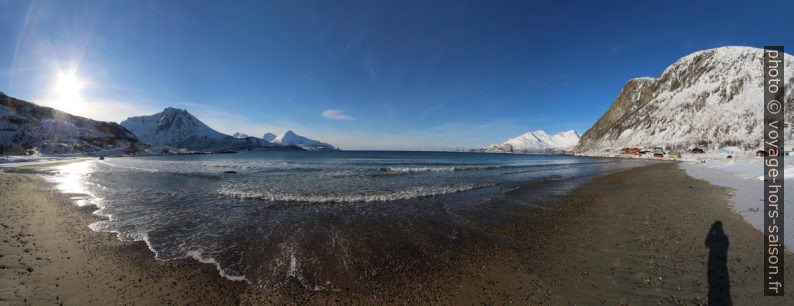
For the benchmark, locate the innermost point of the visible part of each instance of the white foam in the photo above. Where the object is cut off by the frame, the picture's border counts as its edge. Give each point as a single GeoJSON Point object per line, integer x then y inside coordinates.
{"type": "Point", "coordinates": [435, 169]}
{"type": "Point", "coordinates": [115, 165]}
{"type": "Point", "coordinates": [197, 255]}
{"type": "Point", "coordinates": [383, 196]}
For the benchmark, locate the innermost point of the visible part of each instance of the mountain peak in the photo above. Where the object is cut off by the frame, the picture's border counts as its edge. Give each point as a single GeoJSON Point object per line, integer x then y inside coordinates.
{"type": "Point", "coordinates": [686, 105]}
{"type": "Point", "coordinates": [269, 136]}
{"type": "Point", "coordinates": [569, 132]}
{"type": "Point", "coordinates": [239, 135]}
{"type": "Point", "coordinates": [174, 127]}
{"type": "Point", "coordinates": [290, 138]}
{"type": "Point", "coordinates": [173, 110]}
{"type": "Point", "coordinates": [537, 142]}
{"type": "Point", "coordinates": [540, 133]}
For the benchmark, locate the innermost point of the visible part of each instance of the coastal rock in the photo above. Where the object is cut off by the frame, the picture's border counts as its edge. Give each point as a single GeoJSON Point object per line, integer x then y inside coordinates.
{"type": "Point", "coordinates": [709, 99]}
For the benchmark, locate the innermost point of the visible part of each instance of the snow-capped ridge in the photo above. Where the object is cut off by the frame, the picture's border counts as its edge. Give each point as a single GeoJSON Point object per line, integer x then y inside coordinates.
{"type": "Point", "coordinates": [178, 128]}
{"type": "Point", "coordinates": [290, 138]}
{"type": "Point", "coordinates": [537, 142]}
{"type": "Point", "coordinates": [707, 99]}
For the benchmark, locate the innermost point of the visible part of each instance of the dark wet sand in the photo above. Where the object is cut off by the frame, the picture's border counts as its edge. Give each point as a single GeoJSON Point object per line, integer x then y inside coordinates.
{"type": "Point", "coordinates": [633, 237]}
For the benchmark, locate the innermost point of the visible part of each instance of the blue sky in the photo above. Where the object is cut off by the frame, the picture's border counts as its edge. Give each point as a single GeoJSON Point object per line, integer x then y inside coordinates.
{"type": "Point", "coordinates": [363, 74]}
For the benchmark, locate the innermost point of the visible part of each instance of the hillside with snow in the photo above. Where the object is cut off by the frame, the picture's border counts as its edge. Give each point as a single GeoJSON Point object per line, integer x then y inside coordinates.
{"type": "Point", "coordinates": [179, 129]}
{"type": "Point", "coordinates": [709, 99]}
{"type": "Point", "coordinates": [290, 138]}
{"type": "Point", "coordinates": [537, 142]}
{"type": "Point", "coordinates": [25, 126]}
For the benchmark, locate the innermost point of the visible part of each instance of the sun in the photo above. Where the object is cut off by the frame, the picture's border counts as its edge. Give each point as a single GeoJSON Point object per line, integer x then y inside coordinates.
{"type": "Point", "coordinates": [68, 87]}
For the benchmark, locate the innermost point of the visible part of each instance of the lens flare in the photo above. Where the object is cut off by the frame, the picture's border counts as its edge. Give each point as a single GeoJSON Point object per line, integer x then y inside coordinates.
{"type": "Point", "coordinates": [68, 87]}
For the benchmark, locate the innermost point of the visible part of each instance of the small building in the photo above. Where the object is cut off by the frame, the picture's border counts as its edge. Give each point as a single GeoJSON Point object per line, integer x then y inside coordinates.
{"type": "Point", "coordinates": [760, 153]}
{"type": "Point", "coordinates": [630, 150]}
{"type": "Point", "coordinates": [658, 155]}
{"type": "Point", "coordinates": [698, 151]}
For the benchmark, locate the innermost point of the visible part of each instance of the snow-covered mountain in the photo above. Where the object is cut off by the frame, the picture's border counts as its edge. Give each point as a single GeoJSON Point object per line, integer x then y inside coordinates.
{"type": "Point", "coordinates": [537, 142]}
{"type": "Point", "coordinates": [178, 128]}
{"type": "Point", "coordinates": [709, 99]}
{"type": "Point", "coordinates": [269, 136]}
{"type": "Point", "coordinates": [239, 135]}
{"type": "Point", "coordinates": [290, 138]}
{"type": "Point", "coordinates": [25, 125]}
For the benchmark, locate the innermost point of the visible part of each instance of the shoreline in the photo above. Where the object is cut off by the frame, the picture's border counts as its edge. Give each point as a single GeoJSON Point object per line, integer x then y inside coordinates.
{"type": "Point", "coordinates": [52, 256]}
{"type": "Point", "coordinates": [101, 269]}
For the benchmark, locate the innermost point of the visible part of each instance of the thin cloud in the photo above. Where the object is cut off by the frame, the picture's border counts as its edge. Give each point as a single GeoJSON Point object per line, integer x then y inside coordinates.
{"type": "Point", "coordinates": [335, 114]}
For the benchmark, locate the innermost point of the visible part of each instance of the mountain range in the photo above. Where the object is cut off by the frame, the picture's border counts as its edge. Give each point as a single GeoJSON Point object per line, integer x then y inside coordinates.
{"type": "Point", "coordinates": [26, 127]}
{"type": "Point", "coordinates": [290, 138]}
{"type": "Point", "coordinates": [180, 129]}
{"type": "Point", "coordinates": [708, 99]}
{"type": "Point", "coordinates": [536, 142]}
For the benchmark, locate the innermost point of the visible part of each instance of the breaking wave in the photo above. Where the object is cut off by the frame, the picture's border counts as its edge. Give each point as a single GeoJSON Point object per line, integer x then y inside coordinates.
{"type": "Point", "coordinates": [381, 196]}
{"type": "Point", "coordinates": [436, 169]}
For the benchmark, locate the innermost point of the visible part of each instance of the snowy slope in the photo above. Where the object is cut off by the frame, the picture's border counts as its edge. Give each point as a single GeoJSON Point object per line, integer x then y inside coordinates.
{"type": "Point", "coordinates": [178, 128]}
{"type": "Point", "coordinates": [709, 99]}
{"type": "Point", "coordinates": [537, 142]}
{"type": "Point", "coordinates": [566, 140]}
{"type": "Point", "coordinates": [290, 138]}
{"type": "Point", "coordinates": [26, 125]}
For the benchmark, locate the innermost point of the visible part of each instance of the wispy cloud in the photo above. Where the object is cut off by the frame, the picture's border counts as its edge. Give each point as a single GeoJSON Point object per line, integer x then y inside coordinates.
{"type": "Point", "coordinates": [335, 114]}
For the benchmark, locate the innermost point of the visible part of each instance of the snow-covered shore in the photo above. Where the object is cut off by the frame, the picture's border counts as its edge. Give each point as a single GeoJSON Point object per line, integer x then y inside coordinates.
{"type": "Point", "coordinates": [745, 177]}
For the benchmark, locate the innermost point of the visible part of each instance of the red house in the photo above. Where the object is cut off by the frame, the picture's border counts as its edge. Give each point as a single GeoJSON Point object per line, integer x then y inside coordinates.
{"type": "Point", "coordinates": [630, 151]}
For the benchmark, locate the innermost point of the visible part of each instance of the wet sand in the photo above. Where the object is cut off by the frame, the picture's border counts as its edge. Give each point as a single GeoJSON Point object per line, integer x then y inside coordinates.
{"type": "Point", "coordinates": [634, 237]}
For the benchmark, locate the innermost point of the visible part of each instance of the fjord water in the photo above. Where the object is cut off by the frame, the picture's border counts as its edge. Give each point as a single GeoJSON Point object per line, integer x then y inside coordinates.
{"type": "Point", "coordinates": [323, 220]}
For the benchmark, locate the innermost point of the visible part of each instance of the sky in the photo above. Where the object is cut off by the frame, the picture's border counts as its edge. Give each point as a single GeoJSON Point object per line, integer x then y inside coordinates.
{"type": "Point", "coordinates": [401, 75]}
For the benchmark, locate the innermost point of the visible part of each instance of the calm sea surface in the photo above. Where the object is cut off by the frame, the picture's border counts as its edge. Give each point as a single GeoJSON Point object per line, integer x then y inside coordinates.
{"type": "Point", "coordinates": [323, 219]}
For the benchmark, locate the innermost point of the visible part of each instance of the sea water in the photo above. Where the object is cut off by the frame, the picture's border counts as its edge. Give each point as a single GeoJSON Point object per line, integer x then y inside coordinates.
{"type": "Point", "coordinates": [323, 220]}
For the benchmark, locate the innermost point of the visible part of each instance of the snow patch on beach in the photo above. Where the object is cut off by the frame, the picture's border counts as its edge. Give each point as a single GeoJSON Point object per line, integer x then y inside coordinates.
{"type": "Point", "coordinates": [743, 176]}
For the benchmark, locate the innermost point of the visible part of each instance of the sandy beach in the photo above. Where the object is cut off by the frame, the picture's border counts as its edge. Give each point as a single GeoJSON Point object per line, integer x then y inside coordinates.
{"type": "Point", "coordinates": [641, 236]}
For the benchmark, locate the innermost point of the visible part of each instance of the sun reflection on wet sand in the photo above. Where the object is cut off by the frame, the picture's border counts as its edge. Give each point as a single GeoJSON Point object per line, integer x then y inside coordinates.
{"type": "Point", "coordinates": [72, 179]}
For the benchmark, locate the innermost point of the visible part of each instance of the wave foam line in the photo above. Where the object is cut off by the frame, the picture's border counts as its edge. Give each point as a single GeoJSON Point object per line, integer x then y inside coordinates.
{"type": "Point", "coordinates": [405, 194]}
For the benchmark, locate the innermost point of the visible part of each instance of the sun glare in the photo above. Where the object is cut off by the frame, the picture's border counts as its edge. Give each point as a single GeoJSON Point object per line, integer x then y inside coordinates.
{"type": "Point", "coordinates": [68, 87]}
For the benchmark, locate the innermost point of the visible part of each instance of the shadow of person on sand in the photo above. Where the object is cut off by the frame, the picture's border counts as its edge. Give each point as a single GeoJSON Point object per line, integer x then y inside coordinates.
{"type": "Point", "coordinates": [719, 280]}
